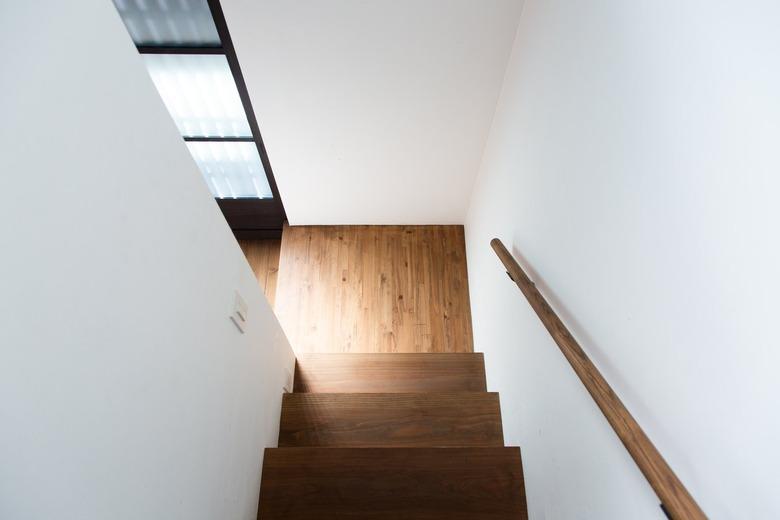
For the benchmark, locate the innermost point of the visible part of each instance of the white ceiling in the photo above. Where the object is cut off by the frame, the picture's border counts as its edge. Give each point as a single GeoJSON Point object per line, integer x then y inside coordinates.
{"type": "Point", "coordinates": [374, 111]}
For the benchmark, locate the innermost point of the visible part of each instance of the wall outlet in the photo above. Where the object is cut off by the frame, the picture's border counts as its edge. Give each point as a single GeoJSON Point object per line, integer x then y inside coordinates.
{"type": "Point", "coordinates": [239, 315]}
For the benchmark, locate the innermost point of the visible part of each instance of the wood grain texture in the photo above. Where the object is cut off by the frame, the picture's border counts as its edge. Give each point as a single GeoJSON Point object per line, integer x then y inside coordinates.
{"type": "Point", "coordinates": [392, 483]}
{"type": "Point", "coordinates": [673, 494]}
{"type": "Point", "coordinates": [390, 373]}
{"type": "Point", "coordinates": [374, 289]}
{"type": "Point", "coordinates": [263, 258]}
{"type": "Point", "coordinates": [391, 420]}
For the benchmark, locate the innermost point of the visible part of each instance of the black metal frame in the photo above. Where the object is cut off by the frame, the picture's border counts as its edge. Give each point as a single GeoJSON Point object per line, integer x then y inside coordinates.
{"type": "Point", "coordinates": [248, 218]}
{"type": "Point", "coordinates": [202, 139]}
{"type": "Point", "coordinates": [180, 49]}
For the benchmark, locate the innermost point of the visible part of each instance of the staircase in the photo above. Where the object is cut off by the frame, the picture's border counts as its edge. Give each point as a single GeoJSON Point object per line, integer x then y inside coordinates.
{"type": "Point", "coordinates": [391, 436]}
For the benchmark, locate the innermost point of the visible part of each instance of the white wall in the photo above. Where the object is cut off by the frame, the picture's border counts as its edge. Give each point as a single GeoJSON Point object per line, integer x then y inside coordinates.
{"type": "Point", "coordinates": [125, 390]}
{"type": "Point", "coordinates": [374, 112]}
{"type": "Point", "coordinates": [633, 166]}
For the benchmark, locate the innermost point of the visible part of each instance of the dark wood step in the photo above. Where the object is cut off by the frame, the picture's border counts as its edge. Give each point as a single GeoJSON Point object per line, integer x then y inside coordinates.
{"type": "Point", "coordinates": [391, 420]}
{"type": "Point", "coordinates": [390, 373]}
{"type": "Point", "coordinates": [392, 483]}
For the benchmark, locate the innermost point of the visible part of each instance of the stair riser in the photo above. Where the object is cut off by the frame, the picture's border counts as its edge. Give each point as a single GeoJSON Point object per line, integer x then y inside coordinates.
{"type": "Point", "coordinates": [391, 420]}
{"type": "Point", "coordinates": [393, 483]}
{"type": "Point", "coordinates": [390, 373]}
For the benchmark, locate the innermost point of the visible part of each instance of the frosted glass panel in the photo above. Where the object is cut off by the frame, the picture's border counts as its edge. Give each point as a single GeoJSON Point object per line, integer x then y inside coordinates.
{"type": "Point", "coordinates": [231, 169]}
{"type": "Point", "coordinates": [169, 22]}
{"type": "Point", "coordinates": [200, 94]}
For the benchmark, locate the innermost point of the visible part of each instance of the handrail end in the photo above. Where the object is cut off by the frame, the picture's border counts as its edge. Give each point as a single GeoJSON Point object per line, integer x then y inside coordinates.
{"type": "Point", "coordinates": [496, 243]}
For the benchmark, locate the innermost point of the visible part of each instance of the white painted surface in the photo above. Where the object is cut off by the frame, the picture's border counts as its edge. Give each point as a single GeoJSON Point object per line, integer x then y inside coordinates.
{"type": "Point", "coordinates": [374, 112]}
{"type": "Point", "coordinates": [633, 167]}
{"type": "Point", "coordinates": [125, 390]}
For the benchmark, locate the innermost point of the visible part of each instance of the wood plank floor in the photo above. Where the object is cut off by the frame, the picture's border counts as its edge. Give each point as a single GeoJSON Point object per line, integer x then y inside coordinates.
{"type": "Point", "coordinates": [391, 420]}
{"type": "Point", "coordinates": [263, 258]}
{"type": "Point", "coordinates": [374, 289]}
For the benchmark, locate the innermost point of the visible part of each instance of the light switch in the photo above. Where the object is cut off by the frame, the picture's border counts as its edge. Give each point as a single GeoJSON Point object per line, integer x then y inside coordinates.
{"type": "Point", "coordinates": [239, 315]}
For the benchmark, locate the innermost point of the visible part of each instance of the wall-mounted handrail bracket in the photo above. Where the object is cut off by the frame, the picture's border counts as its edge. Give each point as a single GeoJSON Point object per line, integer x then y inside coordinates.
{"type": "Point", "coordinates": [676, 502]}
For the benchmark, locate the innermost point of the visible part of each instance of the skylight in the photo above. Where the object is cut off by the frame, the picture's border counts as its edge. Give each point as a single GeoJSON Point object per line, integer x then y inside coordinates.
{"type": "Point", "coordinates": [198, 78]}
{"type": "Point", "coordinates": [169, 22]}
{"type": "Point", "coordinates": [200, 94]}
{"type": "Point", "coordinates": [232, 169]}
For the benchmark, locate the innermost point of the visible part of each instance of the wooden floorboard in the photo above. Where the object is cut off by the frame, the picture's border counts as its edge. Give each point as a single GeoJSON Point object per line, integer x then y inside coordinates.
{"type": "Point", "coordinates": [390, 373]}
{"type": "Point", "coordinates": [374, 289]}
{"type": "Point", "coordinates": [263, 258]}
{"type": "Point", "coordinates": [391, 420]}
{"type": "Point", "coordinates": [392, 483]}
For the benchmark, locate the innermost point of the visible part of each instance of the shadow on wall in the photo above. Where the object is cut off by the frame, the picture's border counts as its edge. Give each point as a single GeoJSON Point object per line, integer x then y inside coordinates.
{"type": "Point", "coordinates": [624, 390]}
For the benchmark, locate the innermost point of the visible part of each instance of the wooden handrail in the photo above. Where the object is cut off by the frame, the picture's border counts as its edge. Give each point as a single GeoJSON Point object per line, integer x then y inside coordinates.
{"type": "Point", "coordinates": [675, 499]}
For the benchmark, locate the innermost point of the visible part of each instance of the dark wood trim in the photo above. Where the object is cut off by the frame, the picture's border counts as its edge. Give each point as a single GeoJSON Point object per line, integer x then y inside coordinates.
{"type": "Point", "coordinates": [179, 49]}
{"type": "Point", "coordinates": [252, 214]}
{"type": "Point", "coordinates": [203, 139]}
{"type": "Point", "coordinates": [674, 496]}
{"type": "Point", "coordinates": [232, 58]}
{"type": "Point", "coordinates": [257, 234]}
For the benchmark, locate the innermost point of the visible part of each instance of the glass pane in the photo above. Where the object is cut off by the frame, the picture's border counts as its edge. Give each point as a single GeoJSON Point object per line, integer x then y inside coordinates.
{"type": "Point", "coordinates": [200, 94]}
{"type": "Point", "coordinates": [231, 169]}
{"type": "Point", "coordinates": [169, 22]}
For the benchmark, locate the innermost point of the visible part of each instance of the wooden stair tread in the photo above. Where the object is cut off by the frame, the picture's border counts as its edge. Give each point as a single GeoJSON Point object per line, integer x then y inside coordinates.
{"type": "Point", "coordinates": [392, 483]}
{"type": "Point", "coordinates": [391, 420]}
{"type": "Point", "coordinates": [390, 373]}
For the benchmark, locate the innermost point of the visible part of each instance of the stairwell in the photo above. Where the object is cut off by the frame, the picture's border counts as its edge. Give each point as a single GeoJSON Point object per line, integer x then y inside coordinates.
{"type": "Point", "coordinates": [371, 434]}
{"type": "Point", "coordinates": [389, 436]}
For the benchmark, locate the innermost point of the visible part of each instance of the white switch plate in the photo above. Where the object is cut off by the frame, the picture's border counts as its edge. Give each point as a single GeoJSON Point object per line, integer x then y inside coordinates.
{"type": "Point", "coordinates": [240, 310]}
